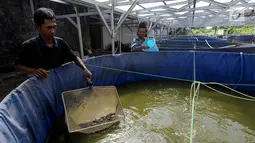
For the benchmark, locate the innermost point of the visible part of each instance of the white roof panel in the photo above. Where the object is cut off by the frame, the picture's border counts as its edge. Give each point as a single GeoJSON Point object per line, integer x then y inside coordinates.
{"type": "Point", "coordinates": [126, 7]}
{"type": "Point", "coordinates": [159, 9]}
{"type": "Point", "coordinates": [202, 3]}
{"type": "Point", "coordinates": [155, 4]}
{"type": "Point", "coordinates": [175, 1]}
{"type": "Point", "coordinates": [178, 6]}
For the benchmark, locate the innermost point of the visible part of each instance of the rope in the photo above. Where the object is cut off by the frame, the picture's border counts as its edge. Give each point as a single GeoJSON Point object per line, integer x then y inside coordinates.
{"type": "Point", "coordinates": [194, 87]}
{"type": "Point", "coordinates": [208, 44]}
{"type": "Point", "coordinates": [228, 94]}
{"type": "Point", "coordinates": [140, 73]}
{"type": "Point", "coordinates": [229, 89]}
{"type": "Point", "coordinates": [196, 91]}
{"type": "Point", "coordinates": [166, 77]}
{"type": "Point", "coordinates": [241, 54]}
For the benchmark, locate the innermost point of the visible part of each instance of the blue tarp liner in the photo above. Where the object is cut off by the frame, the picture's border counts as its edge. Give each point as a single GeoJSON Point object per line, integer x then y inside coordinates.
{"type": "Point", "coordinates": [244, 37]}
{"type": "Point", "coordinates": [196, 37]}
{"type": "Point", "coordinates": [188, 42]}
{"type": "Point", "coordinates": [224, 50]}
{"type": "Point", "coordinates": [29, 111]}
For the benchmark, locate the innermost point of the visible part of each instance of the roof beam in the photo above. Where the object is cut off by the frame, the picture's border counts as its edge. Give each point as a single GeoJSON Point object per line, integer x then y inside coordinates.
{"type": "Point", "coordinates": [148, 11]}
{"type": "Point", "coordinates": [91, 3]}
{"type": "Point", "coordinates": [121, 3]}
{"type": "Point", "coordinates": [156, 7]}
{"type": "Point", "coordinates": [193, 13]}
{"type": "Point", "coordinates": [59, 1]}
{"type": "Point", "coordinates": [152, 12]}
{"type": "Point", "coordinates": [126, 14]}
{"type": "Point", "coordinates": [217, 16]}
{"type": "Point", "coordinates": [216, 3]}
{"type": "Point", "coordinates": [103, 19]}
{"type": "Point", "coordinates": [71, 20]}
{"type": "Point", "coordinates": [218, 7]}
{"type": "Point", "coordinates": [186, 6]}
{"type": "Point", "coordinates": [80, 14]}
{"type": "Point", "coordinates": [170, 11]}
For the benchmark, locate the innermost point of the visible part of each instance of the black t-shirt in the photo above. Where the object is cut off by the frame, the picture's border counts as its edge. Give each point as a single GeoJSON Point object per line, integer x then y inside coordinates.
{"type": "Point", "coordinates": [36, 54]}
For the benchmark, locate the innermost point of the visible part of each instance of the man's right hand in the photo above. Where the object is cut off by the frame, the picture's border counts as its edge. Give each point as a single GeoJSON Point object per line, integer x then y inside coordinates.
{"type": "Point", "coordinates": [145, 47]}
{"type": "Point", "coordinates": [41, 73]}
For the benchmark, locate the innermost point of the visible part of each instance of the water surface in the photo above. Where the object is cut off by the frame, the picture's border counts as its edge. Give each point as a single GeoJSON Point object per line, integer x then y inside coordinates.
{"type": "Point", "coordinates": [159, 112]}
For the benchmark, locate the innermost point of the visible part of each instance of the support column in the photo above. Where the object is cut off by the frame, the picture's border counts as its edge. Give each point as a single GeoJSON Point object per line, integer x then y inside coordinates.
{"type": "Point", "coordinates": [120, 37]}
{"type": "Point", "coordinates": [103, 19]}
{"type": "Point", "coordinates": [112, 25]}
{"type": "Point", "coordinates": [79, 32]}
{"type": "Point", "coordinates": [32, 7]}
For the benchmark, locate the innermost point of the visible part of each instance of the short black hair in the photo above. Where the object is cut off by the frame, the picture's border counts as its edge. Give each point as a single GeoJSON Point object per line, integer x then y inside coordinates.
{"type": "Point", "coordinates": [142, 25]}
{"type": "Point", "coordinates": [43, 13]}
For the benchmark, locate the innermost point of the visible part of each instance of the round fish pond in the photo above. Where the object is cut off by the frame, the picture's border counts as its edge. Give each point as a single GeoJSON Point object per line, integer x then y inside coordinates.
{"type": "Point", "coordinates": [160, 112]}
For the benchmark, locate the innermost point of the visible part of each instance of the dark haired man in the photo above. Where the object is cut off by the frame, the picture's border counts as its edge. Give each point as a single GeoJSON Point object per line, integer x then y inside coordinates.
{"type": "Point", "coordinates": [138, 41]}
{"type": "Point", "coordinates": [46, 51]}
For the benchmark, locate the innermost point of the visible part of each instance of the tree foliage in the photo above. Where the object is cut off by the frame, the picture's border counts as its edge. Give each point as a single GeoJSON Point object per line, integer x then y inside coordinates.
{"type": "Point", "coordinates": [249, 30]}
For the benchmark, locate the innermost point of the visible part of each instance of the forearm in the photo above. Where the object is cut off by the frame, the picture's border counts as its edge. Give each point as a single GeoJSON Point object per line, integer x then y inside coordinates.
{"type": "Point", "coordinates": [139, 48]}
{"type": "Point", "coordinates": [80, 63]}
{"type": "Point", "coordinates": [25, 69]}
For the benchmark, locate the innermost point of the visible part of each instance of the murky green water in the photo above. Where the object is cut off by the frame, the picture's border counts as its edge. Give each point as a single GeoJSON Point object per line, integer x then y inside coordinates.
{"type": "Point", "coordinates": [159, 112]}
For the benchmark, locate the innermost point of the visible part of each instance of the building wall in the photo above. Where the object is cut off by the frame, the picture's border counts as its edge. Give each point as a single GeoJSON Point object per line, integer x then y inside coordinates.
{"type": "Point", "coordinates": [128, 36]}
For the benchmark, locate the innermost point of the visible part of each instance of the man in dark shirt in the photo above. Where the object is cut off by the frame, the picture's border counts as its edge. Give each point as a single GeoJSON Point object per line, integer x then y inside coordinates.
{"type": "Point", "coordinates": [46, 51]}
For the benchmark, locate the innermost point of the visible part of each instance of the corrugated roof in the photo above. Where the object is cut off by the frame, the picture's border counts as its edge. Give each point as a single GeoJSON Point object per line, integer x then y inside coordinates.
{"type": "Point", "coordinates": [179, 13]}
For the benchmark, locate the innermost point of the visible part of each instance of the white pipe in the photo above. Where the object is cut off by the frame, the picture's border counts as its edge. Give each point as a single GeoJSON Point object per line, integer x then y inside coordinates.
{"type": "Point", "coordinates": [126, 14]}
{"type": "Point", "coordinates": [102, 17]}
{"type": "Point", "coordinates": [79, 32]}
{"type": "Point", "coordinates": [71, 20]}
{"type": "Point", "coordinates": [112, 25]}
{"type": "Point", "coordinates": [32, 7]}
{"type": "Point", "coordinates": [120, 38]}
{"type": "Point", "coordinates": [80, 14]}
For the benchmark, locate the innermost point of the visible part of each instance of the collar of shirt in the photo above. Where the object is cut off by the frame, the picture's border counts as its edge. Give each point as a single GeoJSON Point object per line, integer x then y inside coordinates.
{"type": "Point", "coordinates": [55, 43]}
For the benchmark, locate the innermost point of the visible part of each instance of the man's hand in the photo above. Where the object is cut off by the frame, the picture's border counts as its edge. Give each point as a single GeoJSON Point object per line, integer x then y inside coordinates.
{"type": "Point", "coordinates": [87, 73]}
{"type": "Point", "coordinates": [145, 47]}
{"type": "Point", "coordinates": [41, 73]}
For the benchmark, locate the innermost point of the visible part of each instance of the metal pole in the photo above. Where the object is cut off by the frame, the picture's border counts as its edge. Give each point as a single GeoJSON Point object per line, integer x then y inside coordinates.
{"type": "Point", "coordinates": [166, 32]}
{"type": "Point", "coordinates": [71, 20]}
{"type": "Point", "coordinates": [120, 38]}
{"type": "Point", "coordinates": [32, 7]}
{"type": "Point", "coordinates": [161, 30]}
{"type": "Point", "coordinates": [102, 17]}
{"type": "Point", "coordinates": [112, 25]}
{"type": "Point", "coordinates": [154, 25]}
{"type": "Point", "coordinates": [133, 32]}
{"type": "Point", "coordinates": [150, 26]}
{"type": "Point", "coordinates": [81, 14]}
{"type": "Point", "coordinates": [79, 32]}
{"type": "Point", "coordinates": [126, 14]}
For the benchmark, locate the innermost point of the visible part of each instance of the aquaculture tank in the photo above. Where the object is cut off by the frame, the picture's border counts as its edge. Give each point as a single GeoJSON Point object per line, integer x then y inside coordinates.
{"type": "Point", "coordinates": [166, 97]}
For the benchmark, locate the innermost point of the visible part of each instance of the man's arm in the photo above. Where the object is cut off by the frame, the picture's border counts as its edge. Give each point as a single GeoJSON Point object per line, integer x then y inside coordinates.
{"type": "Point", "coordinates": [135, 47]}
{"type": "Point", "coordinates": [72, 57]}
{"type": "Point", "coordinates": [22, 60]}
{"type": "Point", "coordinates": [139, 48]}
{"type": "Point", "coordinates": [25, 69]}
{"type": "Point", "coordinates": [80, 63]}
{"type": "Point", "coordinates": [39, 73]}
